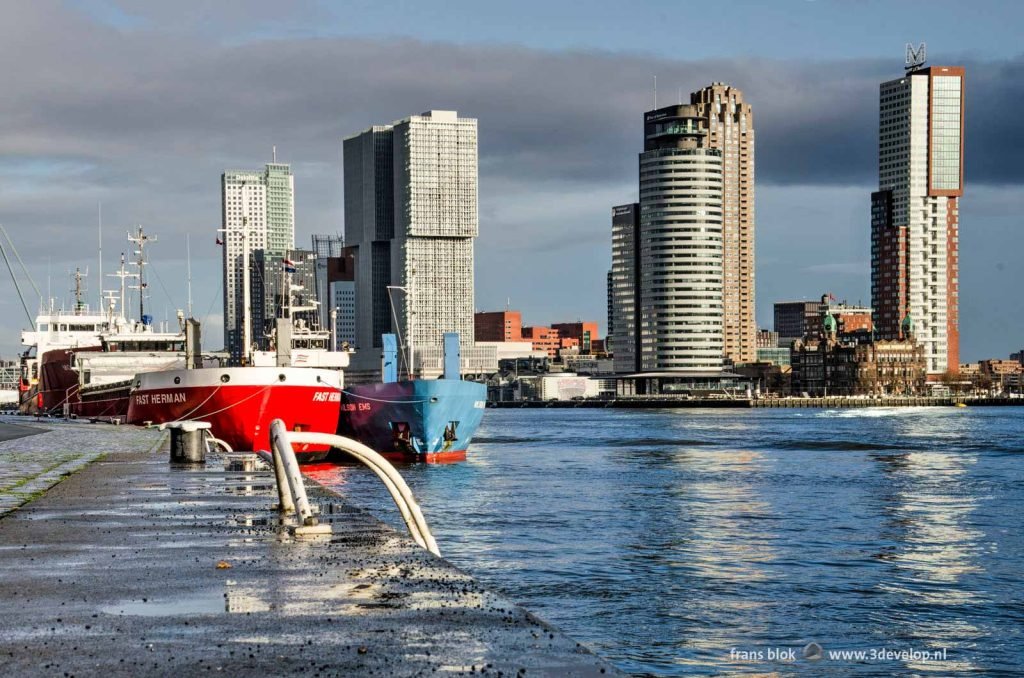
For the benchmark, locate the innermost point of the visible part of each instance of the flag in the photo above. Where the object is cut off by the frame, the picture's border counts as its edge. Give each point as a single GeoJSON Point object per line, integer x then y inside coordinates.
{"type": "Point", "coordinates": [831, 297]}
{"type": "Point", "coordinates": [289, 266]}
{"type": "Point", "coordinates": [219, 241]}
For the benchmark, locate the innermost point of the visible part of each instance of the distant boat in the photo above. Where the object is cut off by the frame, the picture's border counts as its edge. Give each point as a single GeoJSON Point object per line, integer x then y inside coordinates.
{"type": "Point", "coordinates": [430, 420]}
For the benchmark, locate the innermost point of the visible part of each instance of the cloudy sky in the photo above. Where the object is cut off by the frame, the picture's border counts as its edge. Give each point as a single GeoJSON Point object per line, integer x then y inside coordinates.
{"type": "Point", "coordinates": [142, 105]}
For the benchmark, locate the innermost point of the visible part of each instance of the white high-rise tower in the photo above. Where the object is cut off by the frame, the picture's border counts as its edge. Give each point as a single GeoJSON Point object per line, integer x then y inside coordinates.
{"type": "Point", "coordinates": [915, 216]}
{"type": "Point", "coordinates": [411, 215]}
{"type": "Point", "coordinates": [258, 213]}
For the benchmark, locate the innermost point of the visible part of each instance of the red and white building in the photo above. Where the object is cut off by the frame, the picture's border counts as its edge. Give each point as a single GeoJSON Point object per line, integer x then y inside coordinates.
{"type": "Point", "coordinates": [915, 212]}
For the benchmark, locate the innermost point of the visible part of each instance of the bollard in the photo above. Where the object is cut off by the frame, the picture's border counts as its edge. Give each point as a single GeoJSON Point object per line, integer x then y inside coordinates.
{"type": "Point", "coordinates": [188, 442]}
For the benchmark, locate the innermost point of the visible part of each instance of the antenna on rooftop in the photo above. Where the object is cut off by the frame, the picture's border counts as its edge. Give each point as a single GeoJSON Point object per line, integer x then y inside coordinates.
{"type": "Point", "coordinates": [915, 57]}
{"type": "Point", "coordinates": [655, 91]}
{"type": "Point", "coordinates": [274, 153]}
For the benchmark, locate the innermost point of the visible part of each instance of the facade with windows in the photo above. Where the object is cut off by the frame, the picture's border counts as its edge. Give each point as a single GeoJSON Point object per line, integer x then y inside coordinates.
{"type": "Point", "coordinates": [623, 327]}
{"type": "Point", "coordinates": [411, 217]}
{"type": "Point", "coordinates": [730, 129]}
{"type": "Point", "coordinates": [680, 241]}
{"type": "Point", "coordinates": [915, 212]}
{"type": "Point", "coordinates": [257, 213]}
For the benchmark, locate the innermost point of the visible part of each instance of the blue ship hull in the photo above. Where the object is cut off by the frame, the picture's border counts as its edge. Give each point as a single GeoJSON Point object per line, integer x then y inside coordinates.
{"type": "Point", "coordinates": [427, 419]}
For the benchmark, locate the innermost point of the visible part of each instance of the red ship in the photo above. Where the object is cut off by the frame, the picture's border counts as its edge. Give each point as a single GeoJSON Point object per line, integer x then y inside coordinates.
{"type": "Point", "coordinates": [240, 402]}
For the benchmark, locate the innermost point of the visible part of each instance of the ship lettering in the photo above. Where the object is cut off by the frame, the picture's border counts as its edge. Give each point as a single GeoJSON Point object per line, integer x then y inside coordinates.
{"type": "Point", "coordinates": [160, 398]}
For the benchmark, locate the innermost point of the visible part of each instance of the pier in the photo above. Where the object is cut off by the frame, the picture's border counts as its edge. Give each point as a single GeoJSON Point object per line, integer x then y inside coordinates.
{"type": "Point", "coordinates": [834, 402]}
{"type": "Point", "coordinates": [131, 566]}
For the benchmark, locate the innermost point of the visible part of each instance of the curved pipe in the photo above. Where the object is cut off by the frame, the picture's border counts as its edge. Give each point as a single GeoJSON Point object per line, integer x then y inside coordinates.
{"type": "Point", "coordinates": [400, 492]}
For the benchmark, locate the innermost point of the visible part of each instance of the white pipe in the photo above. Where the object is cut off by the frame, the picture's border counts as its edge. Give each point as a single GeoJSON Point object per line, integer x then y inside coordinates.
{"type": "Point", "coordinates": [284, 454]}
{"type": "Point", "coordinates": [284, 493]}
{"type": "Point", "coordinates": [400, 492]}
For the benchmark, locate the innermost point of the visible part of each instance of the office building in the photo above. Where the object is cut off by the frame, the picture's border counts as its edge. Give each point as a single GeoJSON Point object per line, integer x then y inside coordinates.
{"type": "Point", "coordinates": [610, 293]}
{"type": "Point", "coordinates": [325, 247]}
{"type": "Point", "coordinates": [624, 328]}
{"type": "Point", "coordinates": [411, 217]}
{"type": "Point", "coordinates": [680, 264]}
{"type": "Point", "coordinates": [729, 122]}
{"type": "Point", "coordinates": [498, 326]}
{"type": "Point", "coordinates": [258, 213]}
{"type": "Point", "coordinates": [915, 212]}
{"type": "Point", "coordinates": [800, 319]}
{"type": "Point", "coordinates": [280, 281]}
{"type": "Point", "coordinates": [583, 332]}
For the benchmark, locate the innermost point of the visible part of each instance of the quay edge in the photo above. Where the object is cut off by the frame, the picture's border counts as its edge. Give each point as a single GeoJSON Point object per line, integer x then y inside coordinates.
{"type": "Point", "coordinates": [115, 571]}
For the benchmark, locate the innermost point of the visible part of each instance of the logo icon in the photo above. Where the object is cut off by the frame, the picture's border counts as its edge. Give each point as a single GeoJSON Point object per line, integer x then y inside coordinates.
{"type": "Point", "coordinates": [813, 651]}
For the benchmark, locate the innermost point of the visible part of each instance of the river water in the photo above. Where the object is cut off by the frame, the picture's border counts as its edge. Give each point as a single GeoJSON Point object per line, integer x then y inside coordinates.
{"type": "Point", "coordinates": [677, 542]}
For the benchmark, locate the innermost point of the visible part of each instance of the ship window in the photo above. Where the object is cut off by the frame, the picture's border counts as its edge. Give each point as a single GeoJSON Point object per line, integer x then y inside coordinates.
{"type": "Point", "coordinates": [177, 380]}
{"type": "Point", "coordinates": [281, 377]}
{"type": "Point", "coordinates": [44, 327]}
{"type": "Point", "coordinates": [224, 378]}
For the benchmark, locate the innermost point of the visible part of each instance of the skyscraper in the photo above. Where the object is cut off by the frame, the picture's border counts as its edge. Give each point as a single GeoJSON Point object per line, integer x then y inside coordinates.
{"type": "Point", "coordinates": [325, 247]}
{"type": "Point", "coordinates": [411, 215]}
{"type": "Point", "coordinates": [680, 240]}
{"type": "Point", "coordinates": [624, 327]}
{"type": "Point", "coordinates": [258, 213]}
{"type": "Point", "coordinates": [730, 128]}
{"type": "Point", "coordinates": [915, 212]}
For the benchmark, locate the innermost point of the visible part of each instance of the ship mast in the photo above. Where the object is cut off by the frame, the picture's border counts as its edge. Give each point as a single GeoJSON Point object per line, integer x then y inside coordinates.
{"type": "Point", "coordinates": [123, 275]}
{"type": "Point", "coordinates": [246, 289]}
{"type": "Point", "coordinates": [140, 239]}
{"type": "Point", "coordinates": [79, 292]}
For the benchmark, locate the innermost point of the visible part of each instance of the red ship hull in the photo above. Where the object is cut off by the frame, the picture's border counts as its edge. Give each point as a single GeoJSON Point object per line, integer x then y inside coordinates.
{"type": "Point", "coordinates": [241, 402]}
{"type": "Point", "coordinates": [107, 403]}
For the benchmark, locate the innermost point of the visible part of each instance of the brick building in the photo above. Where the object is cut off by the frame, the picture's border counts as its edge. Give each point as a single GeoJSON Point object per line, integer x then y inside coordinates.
{"type": "Point", "coordinates": [498, 326]}
{"type": "Point", "coordinates": [828, 364]}
{"type": "Point", "coordinates": [585, 333]}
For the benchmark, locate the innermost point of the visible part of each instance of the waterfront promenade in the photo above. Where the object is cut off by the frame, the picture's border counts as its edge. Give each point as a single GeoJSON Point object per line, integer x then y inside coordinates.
{"type": "Point", "coordinates": [133, 567]}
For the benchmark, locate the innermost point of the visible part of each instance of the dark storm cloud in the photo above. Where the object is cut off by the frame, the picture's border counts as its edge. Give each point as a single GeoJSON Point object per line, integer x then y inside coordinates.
{"type": "Point", "coordinates": [145, 112]}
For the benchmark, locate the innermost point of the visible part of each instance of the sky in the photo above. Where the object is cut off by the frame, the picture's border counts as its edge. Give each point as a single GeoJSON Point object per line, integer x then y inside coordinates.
{"type": "Point", "coordinates": [140, 106]}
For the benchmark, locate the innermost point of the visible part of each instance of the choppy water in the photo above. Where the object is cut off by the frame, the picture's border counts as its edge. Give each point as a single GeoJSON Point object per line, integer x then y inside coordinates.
{"type": "Point", "coordinates": [673, 542]}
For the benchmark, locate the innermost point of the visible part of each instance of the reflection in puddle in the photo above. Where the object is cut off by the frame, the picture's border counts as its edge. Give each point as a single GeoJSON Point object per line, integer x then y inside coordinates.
{"type": "Point", "coordinates": [213, 602]}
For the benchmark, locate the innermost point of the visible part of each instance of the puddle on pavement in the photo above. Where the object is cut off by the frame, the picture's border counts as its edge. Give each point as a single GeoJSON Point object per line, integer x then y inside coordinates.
{"type": "Point", "coordinates": [210, 603]}
{"type": "Point", "coordinates": [234, 601]}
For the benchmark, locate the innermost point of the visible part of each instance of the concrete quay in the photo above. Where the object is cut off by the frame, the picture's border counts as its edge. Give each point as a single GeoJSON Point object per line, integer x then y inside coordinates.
{"type": "Point", "coordinates": [830, 402]}
{"type": "Point", "coordinates": [133, 567]}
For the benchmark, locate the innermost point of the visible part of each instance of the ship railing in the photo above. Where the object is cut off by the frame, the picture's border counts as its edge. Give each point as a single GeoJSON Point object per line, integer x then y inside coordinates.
{"type": "Point", "coordinates": [292, 492]}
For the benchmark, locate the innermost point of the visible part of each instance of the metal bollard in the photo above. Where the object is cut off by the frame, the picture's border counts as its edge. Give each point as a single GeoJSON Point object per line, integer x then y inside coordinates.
{"type": "Point", "coordinates": [188, 442]}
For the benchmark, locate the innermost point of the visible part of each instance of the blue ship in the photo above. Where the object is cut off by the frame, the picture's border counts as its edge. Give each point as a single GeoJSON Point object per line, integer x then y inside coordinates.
{"type": "Point", "coordinates": [423, 419]}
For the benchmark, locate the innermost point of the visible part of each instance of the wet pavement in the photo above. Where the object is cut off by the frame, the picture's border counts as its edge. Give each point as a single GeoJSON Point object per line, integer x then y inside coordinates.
{"type": "Point", "coordinates": [133, 567]}
{"type": "Point", "coordinates": [32, 465]}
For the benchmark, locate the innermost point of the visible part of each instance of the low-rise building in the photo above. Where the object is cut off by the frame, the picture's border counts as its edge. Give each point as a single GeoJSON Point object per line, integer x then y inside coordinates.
{"type": "Point", "coordinates": [513, 350]}
{"type": "Point", "coordinates": [776, 356]}
{"type": "Point", "coordinates": [829, 365]}
{"type": "Point", "coordinates": [498, 326]}
{"type": "Point", "coordinates": [585, 333]}
{"type": "Point", "coordinates": [799, 319]}
{"type": "Point", "coordinates": [567, 386]}
{"type": "Point", "coordinates": [767, 339]}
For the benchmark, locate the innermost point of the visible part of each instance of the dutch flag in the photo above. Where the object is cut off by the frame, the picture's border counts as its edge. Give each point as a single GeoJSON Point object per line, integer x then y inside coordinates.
{"type": "Point", "coordinates": [289, 266]}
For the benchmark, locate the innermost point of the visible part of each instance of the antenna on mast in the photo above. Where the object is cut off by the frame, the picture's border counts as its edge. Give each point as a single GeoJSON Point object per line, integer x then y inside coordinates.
{"type": "Point", "coordinates": [123, 275]}
{"type": "Point", "coordinates": [79, 291]}
{"type": "Point", "coordinates": [140, 239]}
{"type": "Point", "coordinates": [274, 153]}
{"type": "Point", "coordinates": [655, 91]}
{"type": "Point", "coordinates": [188, 258]}
{"type": "Point", "coordinates": [99, 227]}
